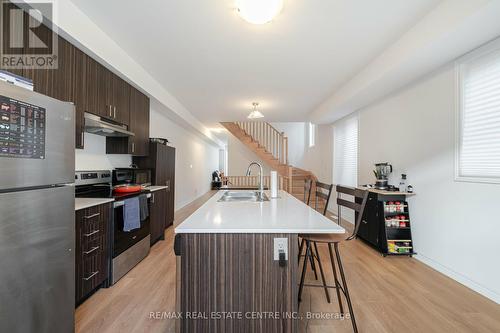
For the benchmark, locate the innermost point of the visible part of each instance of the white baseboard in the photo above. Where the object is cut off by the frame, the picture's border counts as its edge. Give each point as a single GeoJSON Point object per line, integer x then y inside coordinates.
{"type": "Point", "coordinates": [488, 293]}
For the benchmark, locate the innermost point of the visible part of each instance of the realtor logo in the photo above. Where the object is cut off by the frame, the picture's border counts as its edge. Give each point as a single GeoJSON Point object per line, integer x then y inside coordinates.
{"type": "Point", "coordinates": [28, 39]}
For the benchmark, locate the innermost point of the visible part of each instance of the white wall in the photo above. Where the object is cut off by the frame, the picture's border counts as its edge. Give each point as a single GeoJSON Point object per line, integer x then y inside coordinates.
{"type": "Point", "coordinates": [195, 158]}
{"type": "Point", "coordinates": [319, 158]}
{"type": "Point", "coordinates": [455, 225]}
{"type": "Point", "coordinates": [94, 157]}
{"type": "Point", "coordinates": [297, 140]}
{"type": "Point", "coordinates": [240, 156]}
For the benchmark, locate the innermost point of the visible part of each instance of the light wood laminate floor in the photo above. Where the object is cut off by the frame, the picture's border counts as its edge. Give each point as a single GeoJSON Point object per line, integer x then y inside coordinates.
{"type": "Point", "coordinates": [395, 294]}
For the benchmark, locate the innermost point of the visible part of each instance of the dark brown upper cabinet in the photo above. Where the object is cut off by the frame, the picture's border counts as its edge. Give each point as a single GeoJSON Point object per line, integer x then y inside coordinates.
{"type": "Point", "coordinates": [139, 123]}
{"type": "Point", "coordinates": [137, 145]}
{"type": "Point", "coordinates": [91, 87]}
{"type": "Point", "coordinates": [120, 100]}
{"type": "Point", "coordinates": [109, 93]}
{"type": "Point", "coordinates": [79, 94]}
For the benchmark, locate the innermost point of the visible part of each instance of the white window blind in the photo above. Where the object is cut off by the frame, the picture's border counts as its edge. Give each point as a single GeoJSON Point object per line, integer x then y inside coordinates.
{"type": "Point", "coordinates": [479, 115]}
{"type": "Point", "coordinates": [345, 151]}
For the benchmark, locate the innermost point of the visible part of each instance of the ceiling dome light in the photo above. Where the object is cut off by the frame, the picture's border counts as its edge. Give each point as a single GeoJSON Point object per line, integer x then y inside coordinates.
{"type": "Point", "coordinates": [259, 11]}
{"type": "Point", "coordinates": [255, 114]}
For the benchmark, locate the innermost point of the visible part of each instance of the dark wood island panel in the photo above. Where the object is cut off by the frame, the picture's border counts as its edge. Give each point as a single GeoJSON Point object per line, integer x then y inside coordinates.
{"type": "Point", "coordinates": [237, 273]}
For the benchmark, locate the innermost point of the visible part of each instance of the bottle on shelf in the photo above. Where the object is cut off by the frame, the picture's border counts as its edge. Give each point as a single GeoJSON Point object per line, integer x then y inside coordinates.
{"type": "Point", "coordinates": [402, 183]}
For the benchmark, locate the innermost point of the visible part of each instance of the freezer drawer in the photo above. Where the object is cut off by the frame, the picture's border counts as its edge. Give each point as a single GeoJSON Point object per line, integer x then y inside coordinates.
{"type": "Point", "coordinates": [54, 122]}
{"type": "Point", "coordinates": [37, 277]}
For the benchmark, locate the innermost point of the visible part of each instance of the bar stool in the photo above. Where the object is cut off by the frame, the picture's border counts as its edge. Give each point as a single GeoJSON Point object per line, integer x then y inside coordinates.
{"type": "Point", "coordinates": [335, 239]}
{"type": "Point", "coordinates": [307, 200]}
{"type": "Point", "coordinates": [322, 193]}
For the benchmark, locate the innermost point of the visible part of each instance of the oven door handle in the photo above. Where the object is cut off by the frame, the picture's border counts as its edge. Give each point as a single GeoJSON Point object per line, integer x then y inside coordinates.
{"type": "Point", "coordinates": [117, 204]}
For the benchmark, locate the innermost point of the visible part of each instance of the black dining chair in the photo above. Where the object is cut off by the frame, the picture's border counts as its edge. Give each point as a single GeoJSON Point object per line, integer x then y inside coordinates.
{"type": "Point", "coordinates": [334, 240]}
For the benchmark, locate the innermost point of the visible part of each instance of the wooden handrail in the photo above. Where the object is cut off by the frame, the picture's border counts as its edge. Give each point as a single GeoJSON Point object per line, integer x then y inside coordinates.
{"type": "Point", "coordinates": [267, 137]}
{"type": "Point", "coordinates": [283, 183]}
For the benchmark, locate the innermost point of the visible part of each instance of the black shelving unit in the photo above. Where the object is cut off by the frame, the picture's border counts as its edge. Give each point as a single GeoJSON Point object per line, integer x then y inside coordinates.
{"type": "Point", "coordinates": [397, 228]}
{"type": "Point", "coordinates": [386, 224]}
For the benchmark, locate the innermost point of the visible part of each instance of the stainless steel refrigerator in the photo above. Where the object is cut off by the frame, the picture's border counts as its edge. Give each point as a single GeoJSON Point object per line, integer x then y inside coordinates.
{"type": "Point", "coordinates": [37, 217]}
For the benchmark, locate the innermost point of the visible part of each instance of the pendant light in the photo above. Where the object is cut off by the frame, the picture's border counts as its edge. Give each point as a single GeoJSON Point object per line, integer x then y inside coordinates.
{"type": "Point", "coordinates": [259, 11]}
{"type": "Point", "coordinates": [255, 114]}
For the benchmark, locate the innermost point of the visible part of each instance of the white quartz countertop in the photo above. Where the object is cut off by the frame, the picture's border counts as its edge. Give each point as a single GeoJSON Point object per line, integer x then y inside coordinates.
{"type": "Point", "coordinates": [155, 188]}
{"type": "Point", "coordinates": [82, 203]}
{"type": "Point", "coordinates": [286, 214]}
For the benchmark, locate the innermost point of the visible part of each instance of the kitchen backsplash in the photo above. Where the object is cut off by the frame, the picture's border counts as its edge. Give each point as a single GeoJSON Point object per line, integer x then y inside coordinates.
{"type": "Point", "coordinates": [94, 156]}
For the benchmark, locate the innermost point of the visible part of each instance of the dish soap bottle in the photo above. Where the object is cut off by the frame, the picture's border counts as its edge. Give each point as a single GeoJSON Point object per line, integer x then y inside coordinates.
{"type": "Point", "coordinates": [402, 183]}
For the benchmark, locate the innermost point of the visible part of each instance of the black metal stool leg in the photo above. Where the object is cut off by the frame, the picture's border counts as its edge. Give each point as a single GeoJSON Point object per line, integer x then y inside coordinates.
{"type": "Point", "coordinates": [322, 273]}
{"type": "Point", "coordinates": [304, 267]}
{"type": "Point", "coordinates": [346, 291]}
{"type": "Point", "coordinates": [313, 265]}
{"type": "Point", "coordinates": [337, 283]}
{"type": "Point", "coordinates": [301, 247]}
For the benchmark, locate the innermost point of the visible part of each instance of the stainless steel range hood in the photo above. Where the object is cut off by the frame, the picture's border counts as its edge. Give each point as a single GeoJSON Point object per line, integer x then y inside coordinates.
{"type": "Point", "coordinates": [97, 125]}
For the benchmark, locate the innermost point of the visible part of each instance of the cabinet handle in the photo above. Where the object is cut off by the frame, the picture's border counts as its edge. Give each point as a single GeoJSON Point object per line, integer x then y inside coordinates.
{"type": "Point", "coordinates": [92, 216]}
{"type": "Point", "coordinates": [114, 111]}
{"type": "Point", "coordinates": [133, 147]}
{"type": "Point", "coordinates": [109, 106]}
{"type": "Point", "coordinates": [152, 198]}
{"type": "Point", "coordinates": [91, 250]}
{"type": "Point", "coordinates": [82, 138]}
{"type": "Point", "coordinates": [91, 276]}
{"type": "Point", "coordinates": [92, 233]}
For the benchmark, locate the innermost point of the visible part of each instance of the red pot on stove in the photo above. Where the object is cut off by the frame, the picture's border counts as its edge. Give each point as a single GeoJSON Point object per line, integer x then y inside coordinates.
{"type": "Point", "coordinates": [128, 188]}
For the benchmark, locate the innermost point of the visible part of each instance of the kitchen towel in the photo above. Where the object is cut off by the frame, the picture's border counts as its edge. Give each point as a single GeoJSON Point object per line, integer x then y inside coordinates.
{"type": "Point", "coordinates": [143, 205]}
{"type": "Point", "coordinates": [131, 214]}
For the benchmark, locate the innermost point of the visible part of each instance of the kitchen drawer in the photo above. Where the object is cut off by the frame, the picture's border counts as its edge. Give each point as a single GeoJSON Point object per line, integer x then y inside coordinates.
{"type": "Point", "coordinates": [92, 255]}
{"type": "Point", "coordinates": [93, 271]}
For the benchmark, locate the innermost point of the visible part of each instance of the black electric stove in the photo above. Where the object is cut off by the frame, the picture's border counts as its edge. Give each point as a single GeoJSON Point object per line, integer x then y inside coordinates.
{"type": "Point", "coordinates": [128, 248]}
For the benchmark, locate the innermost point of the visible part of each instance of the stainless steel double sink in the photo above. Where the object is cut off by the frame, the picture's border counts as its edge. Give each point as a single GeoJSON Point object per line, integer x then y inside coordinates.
{"type": "Point", "coordinates": [243, 196]}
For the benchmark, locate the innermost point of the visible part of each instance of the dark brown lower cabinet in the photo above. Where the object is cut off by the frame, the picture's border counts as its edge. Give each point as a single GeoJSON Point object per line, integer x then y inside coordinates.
{"type": "Point", "coordinates": [157, 213]}
{"type": "Point", "coordinates": [92, 249]}
{"type": "Point", "coordinates": [236, 274]}
{"type": "Point", "coordinates": [161, 161]}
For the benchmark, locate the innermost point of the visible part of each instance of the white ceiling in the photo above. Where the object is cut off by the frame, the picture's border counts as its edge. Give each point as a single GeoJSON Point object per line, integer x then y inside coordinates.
{"type": "Point", "coordinates": [216, 64]}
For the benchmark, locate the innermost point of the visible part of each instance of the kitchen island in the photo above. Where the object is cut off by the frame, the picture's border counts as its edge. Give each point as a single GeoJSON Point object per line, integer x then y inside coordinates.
{"type": "Point", "coordinates": [229, 275]}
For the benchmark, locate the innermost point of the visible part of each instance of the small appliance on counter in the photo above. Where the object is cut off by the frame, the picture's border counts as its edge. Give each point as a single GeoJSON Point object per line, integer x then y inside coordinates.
{"type": "Point", "coordinates": [216, 180]}
{"type": "Point", "coordinates": [159, 140]}
{"type": "Point", "coordinates": [132, 176]}
{"type": "Point", "coordinates": [128, 247]}
{"type": "Point", "coordinates": [382, 172]}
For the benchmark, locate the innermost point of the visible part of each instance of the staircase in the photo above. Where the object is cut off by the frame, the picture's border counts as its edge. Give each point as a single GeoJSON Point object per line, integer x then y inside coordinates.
{"type": "Point", "coordinates": [271, 146]}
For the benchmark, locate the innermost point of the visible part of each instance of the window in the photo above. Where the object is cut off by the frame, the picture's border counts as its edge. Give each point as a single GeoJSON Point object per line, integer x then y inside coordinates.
{"type": "Point", "coordinates": [312, 135]}
{"type": "Point", "coordinates": [478, 139]}
{"type": "Point", "coordinates": [345, 151]}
